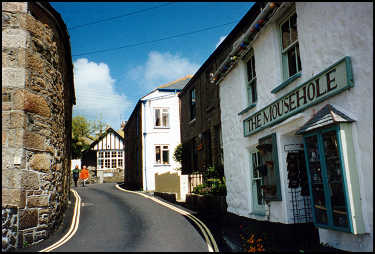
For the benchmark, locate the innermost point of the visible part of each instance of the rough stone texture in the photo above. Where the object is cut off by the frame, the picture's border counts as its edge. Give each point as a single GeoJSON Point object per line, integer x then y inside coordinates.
{"type": "Point", "coordinates": [9, 228]}
{"type": "Point", "coordinates": [41, 201]}
{"type": "Point", "coordinates": [37, 98]}
{"type": "Point", "coordinates": [40, 162]}
{"type": "Point", "coordinates": [13, 197]}
{"type": "Point", "coordinates": [28, 218]}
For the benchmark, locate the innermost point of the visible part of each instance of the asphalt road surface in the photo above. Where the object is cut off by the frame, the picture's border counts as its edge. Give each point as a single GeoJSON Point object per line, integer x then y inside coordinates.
{"type": "Point", "coordinates": [113, 220]}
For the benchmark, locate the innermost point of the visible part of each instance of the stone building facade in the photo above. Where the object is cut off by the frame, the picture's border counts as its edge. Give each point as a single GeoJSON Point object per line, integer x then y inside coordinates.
{"type": "Point", "coordinates": [37, 100]}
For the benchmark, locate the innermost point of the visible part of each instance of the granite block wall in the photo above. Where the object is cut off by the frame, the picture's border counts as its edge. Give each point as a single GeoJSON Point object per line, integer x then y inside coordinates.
{"type": "Point", "coordinates": [37, 100]}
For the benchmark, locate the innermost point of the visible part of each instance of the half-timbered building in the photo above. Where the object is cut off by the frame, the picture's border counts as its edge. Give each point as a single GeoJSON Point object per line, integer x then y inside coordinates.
{"type": "Point", "coordinates": [106, 154]}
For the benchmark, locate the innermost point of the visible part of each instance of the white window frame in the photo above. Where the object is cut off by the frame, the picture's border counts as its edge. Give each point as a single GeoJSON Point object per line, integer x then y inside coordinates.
{"type": "Point", "coordinates": [162, 112]}
{"type": "Point", "coordinates": [162, 149]}
{"type": "Point", "coordinates": [293, 45]}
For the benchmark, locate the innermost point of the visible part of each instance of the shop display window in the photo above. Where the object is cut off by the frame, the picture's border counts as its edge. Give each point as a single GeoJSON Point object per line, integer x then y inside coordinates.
{"type": "Point", "coordinates": [269, 168]}
{"type": "Point", "coordinates": [326, 181]}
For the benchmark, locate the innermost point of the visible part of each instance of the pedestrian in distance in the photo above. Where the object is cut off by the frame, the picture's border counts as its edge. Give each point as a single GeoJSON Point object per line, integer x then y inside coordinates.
{"type": "Point", "coordinates": [75, 175]}
{"type": "Point", "coordinates": [84, 175]}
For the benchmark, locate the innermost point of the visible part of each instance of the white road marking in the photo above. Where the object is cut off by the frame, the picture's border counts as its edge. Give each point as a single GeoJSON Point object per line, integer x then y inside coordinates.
{"type": "Point", "coordinates": [210, 240]}
{"type": "Point", "coordinates": [73, 227]}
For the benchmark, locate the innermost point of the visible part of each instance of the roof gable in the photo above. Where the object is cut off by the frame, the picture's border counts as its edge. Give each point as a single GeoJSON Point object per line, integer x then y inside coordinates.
{"type": "Point", "coordinates": [104, 135]}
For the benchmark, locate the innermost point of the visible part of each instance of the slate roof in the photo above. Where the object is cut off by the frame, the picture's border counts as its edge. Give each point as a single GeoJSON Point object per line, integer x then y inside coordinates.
{"type": "Point", "coordinates": [327, 115]}
{"type": "Point", "coordinates": [178, 84]}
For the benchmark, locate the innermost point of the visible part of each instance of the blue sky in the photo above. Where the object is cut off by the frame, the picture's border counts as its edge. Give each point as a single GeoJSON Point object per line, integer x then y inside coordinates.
{"type": "Point", "coordinates": [108, 84]}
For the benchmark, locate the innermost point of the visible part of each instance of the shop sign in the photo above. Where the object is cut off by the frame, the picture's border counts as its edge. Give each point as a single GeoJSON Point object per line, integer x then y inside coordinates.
{"type": "Point", "coordinates": [293, 147]}
{"type": "Point", "coordinates": [333, 80]}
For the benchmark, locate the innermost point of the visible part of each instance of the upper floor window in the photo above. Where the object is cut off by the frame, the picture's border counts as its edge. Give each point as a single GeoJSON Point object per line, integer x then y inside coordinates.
{"type": "Point", "coordinates": [161, 117]}
{"type": "Point", "coordinates": [120, 154]}
{"type": "Point", "coordinates": [192, 104]}
{"type": "Point", "coordinates": [251, 79]}
{"type": "Point", "coordinates": [291, 60]}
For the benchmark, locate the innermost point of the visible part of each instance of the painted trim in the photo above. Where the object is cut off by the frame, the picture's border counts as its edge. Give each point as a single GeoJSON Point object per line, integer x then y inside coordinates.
{"type": "Point", "coordinates": [247, 109]}
{"type": "Point", "coordinates": [286, 82]}
{"type": "Point", "coordinates": [350, 84]}
{"type": "Point", "coordinates": [326, 188]}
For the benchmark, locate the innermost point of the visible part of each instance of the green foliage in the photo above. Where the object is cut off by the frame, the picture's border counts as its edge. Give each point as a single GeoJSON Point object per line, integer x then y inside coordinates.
{"type": "Point", "coordinates": [80, 127]}
{"type": "Point", "coordinates": [177, 155]}
{"type": "Point", "coordinates": [83, 131]}
{"type": "Point", "coordinates": [214, 182]}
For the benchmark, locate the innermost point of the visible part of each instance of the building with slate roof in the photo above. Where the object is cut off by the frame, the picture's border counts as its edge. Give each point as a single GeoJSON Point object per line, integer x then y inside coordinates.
{"type": "Point", "coordinates": [152, 134]}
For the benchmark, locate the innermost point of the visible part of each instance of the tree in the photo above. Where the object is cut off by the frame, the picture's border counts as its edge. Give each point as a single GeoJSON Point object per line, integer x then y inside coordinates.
{"type": "Point", "coordinates": [80, 127]}
{"type": "Point", "coordinates": [81, 130]}
{"type": "Point", "coordinates": [177, 154]}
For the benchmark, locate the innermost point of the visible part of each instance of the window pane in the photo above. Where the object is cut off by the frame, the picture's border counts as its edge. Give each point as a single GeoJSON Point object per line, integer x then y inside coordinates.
{"type": "Point", "coordinates": [114, 154]}
{"type": "Point", "coordinates": [293, 28]}
{"type": "Point", "coordinates": [100, 163]}
{"type": "Point", "coordinates": [285, 34]}
{"type": "Point", "coordinates": [157, 153]}
{"type": "Point", "coordinates": [316, 180]}
{"type": "Point", "coordinates": [335, 180]}
{"type": "Point", "coordinates": [119, 162]}
{"type": "Point", "coordinates": [165, 118]}
{"type": "Point", "coordinates": [165, 157]}
{"type": "Point", "coordinates": [157, 117]}
{"type": "Point", "coordinates": [113, 163]}
{"type": "Point", "coordinates": [299, 68]}
{"type": "Point", "coordinates": [292, 62]}
{"type": "Point", "coordinates": [253, 92]}
{"type": "Point", "coordinates": [192, 104]}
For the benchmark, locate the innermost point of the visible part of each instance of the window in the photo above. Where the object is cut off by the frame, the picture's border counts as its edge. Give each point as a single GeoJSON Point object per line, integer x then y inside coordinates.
{"type": "Point", "coordinates": [161, 154]}
{"type": "Point", "coordinates": [325, 171]}
{"type": "Point", "coordinates": [106, 163]}
{"type": "Point", "coordinates": [100, 155]}
{"type": "Point", "coordinates": [192, 104]}
{"type": "Point", "coordinates": [251, 79]}
{"type": "Point", "coordinates": [100, 163]}
{"type": "Point", "coordinates": [113, 163]}
{"type": "Point", "coordinates": [120, 154]}
{"type": "Point", "coordinates": [269, 168]}
{"type": "Point", "coordinates": [256, 184]}
{"type": "Point", "coordinates": [119, 163]}
{"type": "Point", "coordinates": [291, 60]}
{"type": "Point", "coordinates": [114, 154]}
{"type": "Point", "coordinates": [107, 154]}
{"type": "Point", "coordinates": [161, 117]}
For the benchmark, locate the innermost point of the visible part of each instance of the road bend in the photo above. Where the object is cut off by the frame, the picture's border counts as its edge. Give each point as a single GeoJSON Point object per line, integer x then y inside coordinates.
{"type": "Point", "coordinates": [114, 220]}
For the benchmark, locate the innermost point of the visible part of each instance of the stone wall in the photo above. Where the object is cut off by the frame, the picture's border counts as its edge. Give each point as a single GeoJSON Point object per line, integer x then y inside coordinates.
{"type": "Point", "coordinates": [38, 95]}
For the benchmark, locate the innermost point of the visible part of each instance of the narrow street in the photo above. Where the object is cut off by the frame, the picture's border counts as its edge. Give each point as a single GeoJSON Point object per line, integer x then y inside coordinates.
{"type": "Point", "coordinates": [112, 220]}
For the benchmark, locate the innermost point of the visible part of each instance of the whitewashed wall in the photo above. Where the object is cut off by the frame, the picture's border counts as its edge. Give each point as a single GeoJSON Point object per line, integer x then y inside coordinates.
{"type": "Point", "coordinates": [327, 32]}
{"type": "Point", "coordinates": [170, 136]}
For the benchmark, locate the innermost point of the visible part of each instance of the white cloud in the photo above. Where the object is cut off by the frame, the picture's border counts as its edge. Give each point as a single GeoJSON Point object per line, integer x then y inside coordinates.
{"type": "Point", "coordinates": [222, 38]}
{"type": "Point", "coordinates": [161, 68]}
{"type": "Point", "coordinates": [95, 93]}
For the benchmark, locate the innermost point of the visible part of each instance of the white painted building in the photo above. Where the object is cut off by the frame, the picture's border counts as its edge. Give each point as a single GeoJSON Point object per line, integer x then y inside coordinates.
{"type": "Point", "coordinates": [161, 130]}
{"type": "Point", "coordinates": [303, 81]}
